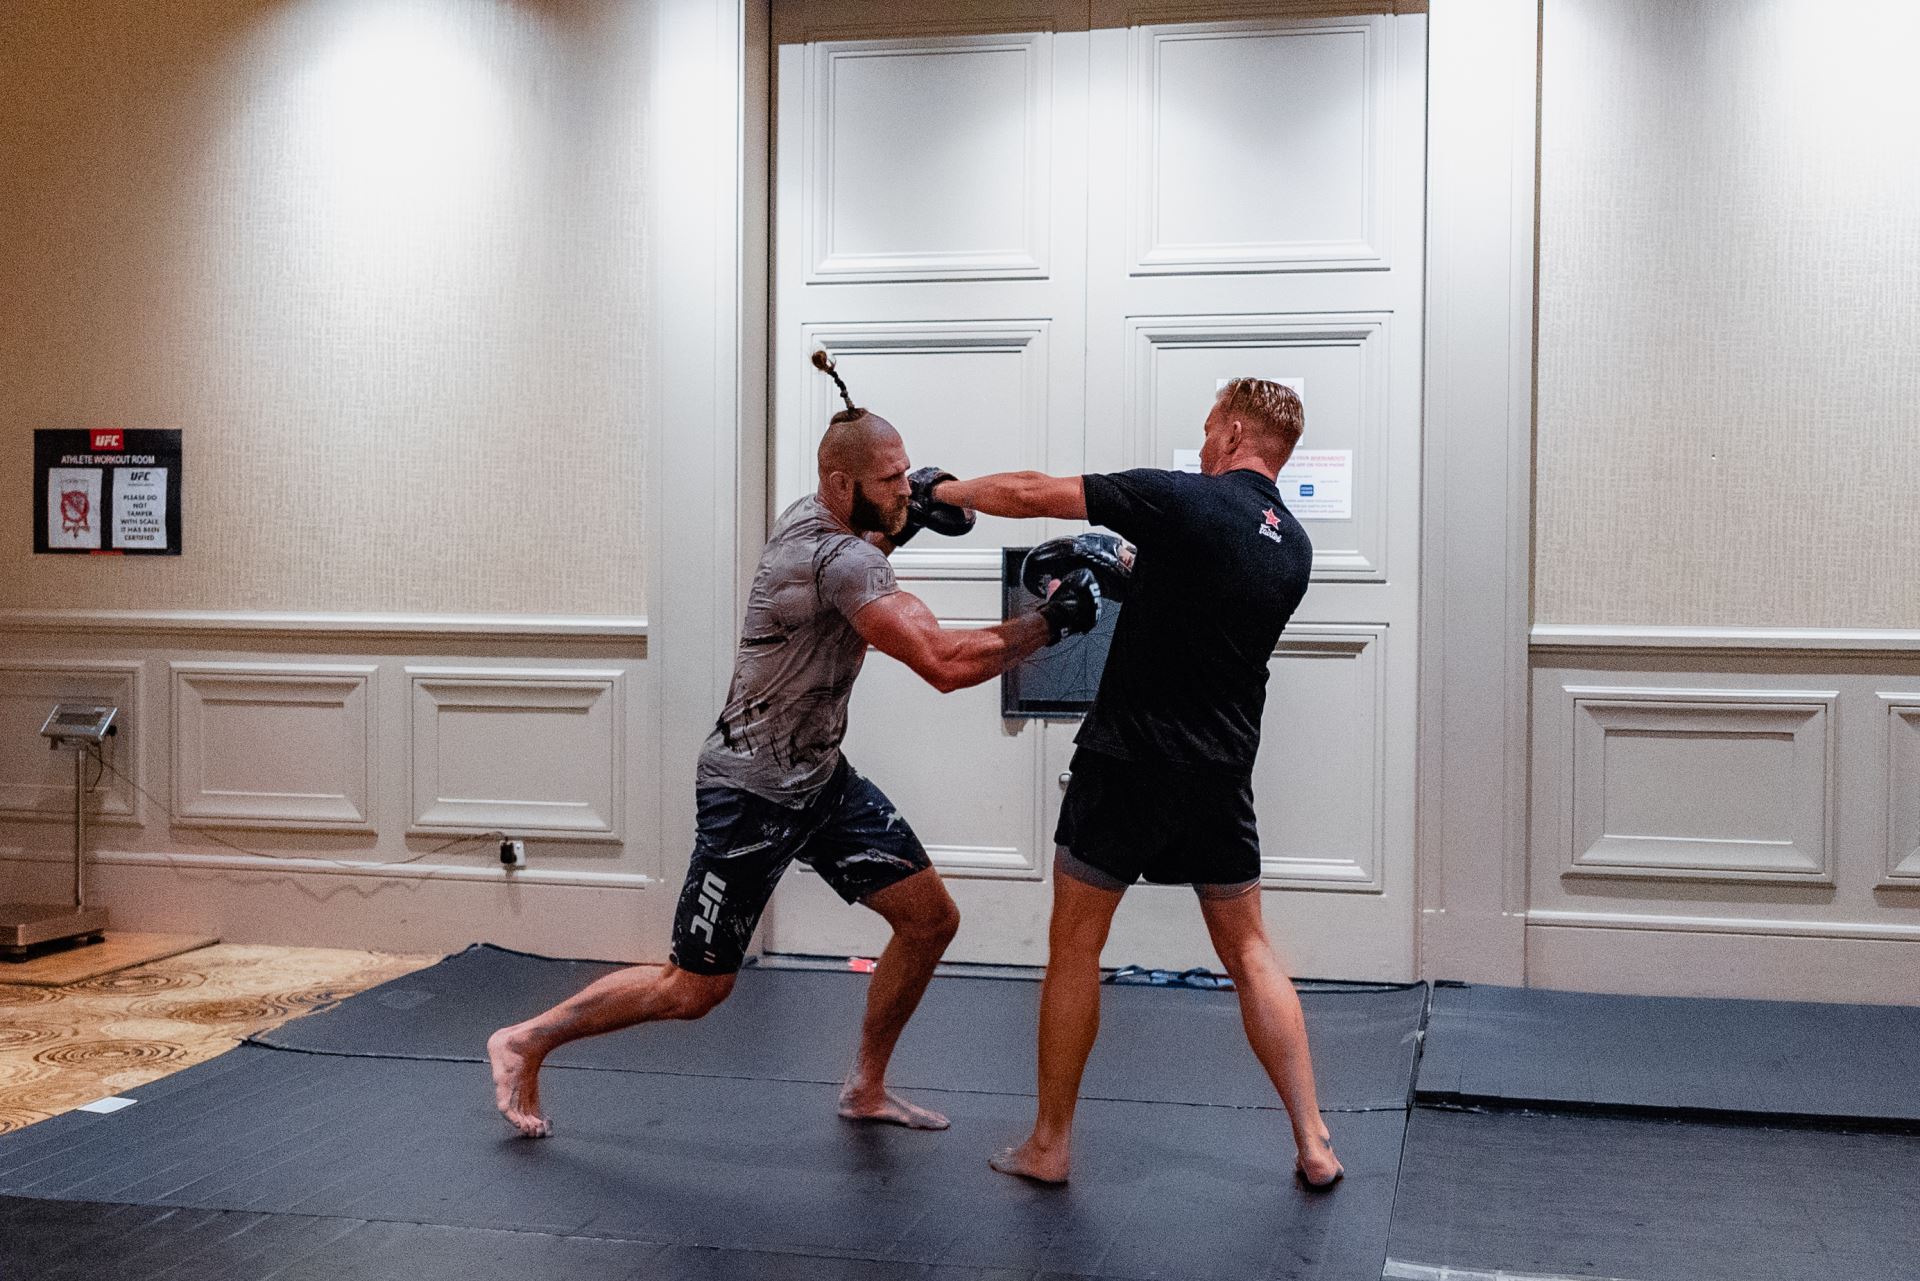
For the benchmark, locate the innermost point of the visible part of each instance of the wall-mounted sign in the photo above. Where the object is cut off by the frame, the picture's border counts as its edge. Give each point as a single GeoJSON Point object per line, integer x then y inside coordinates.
{"type": "Point", "coordinates": [1316, 483]}
{"type": "Point", "coordinates": [107, 492]}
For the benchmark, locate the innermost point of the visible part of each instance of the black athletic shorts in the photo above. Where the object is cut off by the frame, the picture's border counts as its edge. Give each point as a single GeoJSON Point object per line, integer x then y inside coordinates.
{"type": "Point", "coordinates": [848, 831]}
{"type": "Point", "coordinates": [1124, 821]}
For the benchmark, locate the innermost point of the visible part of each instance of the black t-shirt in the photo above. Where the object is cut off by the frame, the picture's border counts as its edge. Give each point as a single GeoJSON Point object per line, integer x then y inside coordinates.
{"type": "Point", "coordinates": [1221, 566]}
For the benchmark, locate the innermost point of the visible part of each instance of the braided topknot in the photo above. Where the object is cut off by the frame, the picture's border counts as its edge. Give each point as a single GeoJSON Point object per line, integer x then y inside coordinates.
{"type": "Point", "coordinates": [824, 363]}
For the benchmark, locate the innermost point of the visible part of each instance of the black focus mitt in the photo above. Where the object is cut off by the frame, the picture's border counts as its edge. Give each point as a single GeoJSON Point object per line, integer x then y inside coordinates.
{"type": "Point", "coordinates": [1073, 607]}
{"type": "Point", "coordinates": [924, 511]}
{"type": "Point", "coordinates": [1108, 556]}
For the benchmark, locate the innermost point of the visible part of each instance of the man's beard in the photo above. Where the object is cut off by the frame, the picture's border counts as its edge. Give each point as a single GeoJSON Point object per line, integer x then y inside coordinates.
{"type": "Point", "coordinates": [867, 518]}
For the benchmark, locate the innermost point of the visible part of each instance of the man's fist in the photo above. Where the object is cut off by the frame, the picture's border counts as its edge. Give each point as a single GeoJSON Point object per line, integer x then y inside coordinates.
{"type": "Point", "coordinates": [1108, 555]}
{"type": "Point", "coordinates": [1073, 607]}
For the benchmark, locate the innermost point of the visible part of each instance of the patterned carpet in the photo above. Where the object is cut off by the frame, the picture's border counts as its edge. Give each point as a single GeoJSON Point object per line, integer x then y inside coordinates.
{"type": "Point", "coordinates": [65, 1046]}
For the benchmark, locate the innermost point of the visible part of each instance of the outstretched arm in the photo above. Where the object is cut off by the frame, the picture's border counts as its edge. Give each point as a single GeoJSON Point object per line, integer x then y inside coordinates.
{"type": "Point", "coordinates": [900, 625]}
{"type": "Point", "coordinates": [1018, 494]}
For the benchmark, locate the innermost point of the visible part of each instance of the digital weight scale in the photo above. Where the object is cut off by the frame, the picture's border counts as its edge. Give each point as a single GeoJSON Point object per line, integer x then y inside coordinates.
{"type": "Point", "coordinates": [84, 727]}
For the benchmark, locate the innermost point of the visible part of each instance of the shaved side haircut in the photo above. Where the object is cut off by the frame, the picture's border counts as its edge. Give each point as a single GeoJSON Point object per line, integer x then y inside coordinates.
{"type": "Point", "coordinates": [850, 439]}
{"type": "Point", "coordinates": [1272, 412]}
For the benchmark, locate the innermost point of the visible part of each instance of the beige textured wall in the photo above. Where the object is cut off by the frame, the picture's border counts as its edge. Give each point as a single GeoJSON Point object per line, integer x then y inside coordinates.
{"type": "Point", "coordinates": [382, 261]}
{"type": "Point", "coordinates": [1729, 353]}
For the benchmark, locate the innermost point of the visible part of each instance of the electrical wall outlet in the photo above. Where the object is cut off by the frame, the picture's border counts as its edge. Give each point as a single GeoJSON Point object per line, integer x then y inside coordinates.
{"type": "Point", "coordinates": [513, 853]}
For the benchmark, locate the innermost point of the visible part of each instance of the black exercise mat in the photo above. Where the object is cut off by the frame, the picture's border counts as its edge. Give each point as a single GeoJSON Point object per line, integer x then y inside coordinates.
{"type": "Point", "coordinates": [1160, 1190]}
{"type": "Point", "coordinates": [1157, 1044]}
{"type": "Point", "coordinates": [84, 1241]}
{"type": "Point", "coordinates": [1588, 1196]}
{"type": "Point", "coordinates": [89, 1241]}
{"type": "Point", "coordinates": [1672, 1054]}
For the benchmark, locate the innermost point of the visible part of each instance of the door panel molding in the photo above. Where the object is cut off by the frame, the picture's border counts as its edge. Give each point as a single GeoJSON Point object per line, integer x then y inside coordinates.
{"type": "Point", "coordinates": [1350, 745]}
{"type": "Point", "coordinates": [1153, 153]}
{"type": "Point", "coordinates": [842, 182]}
{"type": "Point", "coordinates": [1355, 550]}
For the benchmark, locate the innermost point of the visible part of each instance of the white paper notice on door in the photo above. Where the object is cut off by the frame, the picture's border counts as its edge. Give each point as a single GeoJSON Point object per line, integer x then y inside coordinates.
{"type": "Point", "coordinates": [1317, 484]}
{"type": "Point", "coordinates": [73, 507]}
{"type": "Point", "coordinates": [140, 508]}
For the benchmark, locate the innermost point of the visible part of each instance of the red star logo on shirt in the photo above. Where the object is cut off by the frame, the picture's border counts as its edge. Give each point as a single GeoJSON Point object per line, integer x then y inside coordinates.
{"type": "Point", "coordinates": [1272, 520]}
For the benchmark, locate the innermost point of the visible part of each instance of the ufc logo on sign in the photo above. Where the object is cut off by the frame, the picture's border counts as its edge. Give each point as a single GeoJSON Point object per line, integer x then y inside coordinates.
{"type": "Point", "coordinates": [710, 891]}
{"type": "Point", "coordinates": [109, 441]}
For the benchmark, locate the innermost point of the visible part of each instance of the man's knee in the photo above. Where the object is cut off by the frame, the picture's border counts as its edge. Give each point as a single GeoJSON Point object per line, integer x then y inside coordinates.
{"type": "Point", "coordinates": [1246, 955]}
{"type": "Point", "coordinates": [935, 924]}
{"type": "Point", "coordinates": [948, 923]}
{"type": "Point", "coordinates": [694, 996]}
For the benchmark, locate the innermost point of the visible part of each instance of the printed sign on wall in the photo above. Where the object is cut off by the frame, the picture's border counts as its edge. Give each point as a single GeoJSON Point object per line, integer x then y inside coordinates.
{"type": "Point", "coordinates": [1317, 484]}
{"type": "Point", "coordinates": [107, 492]}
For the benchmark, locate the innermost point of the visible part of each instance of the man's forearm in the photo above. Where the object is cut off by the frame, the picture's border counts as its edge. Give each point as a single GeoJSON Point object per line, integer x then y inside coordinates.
{"type": "Point", "coordinates": [1018, 494]}
{"type": "Point", "coordinates": [983, 654]}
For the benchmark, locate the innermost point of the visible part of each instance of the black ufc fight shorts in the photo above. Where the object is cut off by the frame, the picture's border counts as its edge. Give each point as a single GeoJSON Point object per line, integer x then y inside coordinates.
{"type": "Point", "coordinates": [848, 831]}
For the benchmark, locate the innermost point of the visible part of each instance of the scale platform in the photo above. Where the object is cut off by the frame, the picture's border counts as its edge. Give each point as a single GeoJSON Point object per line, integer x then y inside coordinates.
{"type": "Point", "coordinates": [26, 925]}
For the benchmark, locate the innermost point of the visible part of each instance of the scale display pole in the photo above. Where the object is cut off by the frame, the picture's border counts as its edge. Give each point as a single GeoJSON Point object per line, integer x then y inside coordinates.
{"type": "Point", "coordinates": [79, 826]}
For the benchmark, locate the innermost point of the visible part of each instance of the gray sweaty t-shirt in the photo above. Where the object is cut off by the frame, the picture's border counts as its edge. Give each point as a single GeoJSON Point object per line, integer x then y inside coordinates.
{"type": "Point", "coordinates": [779, 736]}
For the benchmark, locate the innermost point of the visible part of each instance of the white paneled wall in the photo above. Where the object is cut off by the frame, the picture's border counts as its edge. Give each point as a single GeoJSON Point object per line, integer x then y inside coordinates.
{"type": "Point", "coordinates": [36, 784]}
{"type": "Point", "coordinates": [536, 751]}
{"type": "Point", "coordinates": [300, 762]}
{"type": "Point", "coordinates": [1261, 144]}
{"type": "Point", "coordinates": [887, 207]}
{"type": "Point", "coordinates": [1322, 809]}
{"type": "Point", "coordinates": [257, 775]}
{"type": "Point", "coordinates": [1743, 810]}
{"type": "Point", "coordinates": [1700, 784]}
{"type": "Point", "coordinates": [1903, 784]}
{"type": "Point", "coordinates": [1723, 776]}
{"type": "Point", "coordinates": [274, 745]}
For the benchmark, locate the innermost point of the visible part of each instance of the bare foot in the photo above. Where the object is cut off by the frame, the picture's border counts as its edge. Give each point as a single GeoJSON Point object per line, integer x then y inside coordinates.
{"type": "Point", "coordinates": [1032, 1161]}
{"type": "Point", "coordinates": [1317, 1166]}
{"type": "Point", "coordinates": [887, 1108]}
{"type": "Point", "coordinates": [516, 1085]}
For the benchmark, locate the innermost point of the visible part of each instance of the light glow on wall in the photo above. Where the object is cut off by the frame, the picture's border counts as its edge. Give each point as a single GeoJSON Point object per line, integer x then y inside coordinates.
{"type": "Point", "coordinates": [411, 134]}
{"type": "Point", "coordinates": [1848, 69]}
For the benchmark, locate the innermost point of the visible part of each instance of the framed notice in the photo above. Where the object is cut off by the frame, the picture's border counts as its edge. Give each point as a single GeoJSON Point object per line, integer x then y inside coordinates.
{"type": "Point", "coordinates": [106, 492]}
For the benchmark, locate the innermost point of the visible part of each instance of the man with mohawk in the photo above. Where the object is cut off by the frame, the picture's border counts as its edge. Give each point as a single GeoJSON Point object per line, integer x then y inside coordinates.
{"type": "Point", "coordinates": [772, 786]}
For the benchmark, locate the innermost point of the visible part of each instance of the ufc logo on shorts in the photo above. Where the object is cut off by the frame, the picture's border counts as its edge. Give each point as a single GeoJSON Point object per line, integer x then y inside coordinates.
{"type": "Point", "coordinates": [710, 891]}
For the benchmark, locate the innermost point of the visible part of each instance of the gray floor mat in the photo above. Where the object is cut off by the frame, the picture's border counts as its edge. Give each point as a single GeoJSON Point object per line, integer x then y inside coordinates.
{"type": "Point", "coordinates": [1671, 1054]}
{"type": "Point", "coordinates": [723, 1164]}
{"type": "Point", "coordinates": [1649, 1200]}
{"type": "Point", "coordinates": [1157, 1044]}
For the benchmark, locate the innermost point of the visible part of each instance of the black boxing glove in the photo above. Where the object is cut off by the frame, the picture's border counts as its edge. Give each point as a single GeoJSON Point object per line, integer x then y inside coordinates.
{"type": "Point", "coordinates": [1109, 556]}
{"type": "Point", "coordinates": [924, 511]}
{"type": "Point", "coordinates": [1074, 606]}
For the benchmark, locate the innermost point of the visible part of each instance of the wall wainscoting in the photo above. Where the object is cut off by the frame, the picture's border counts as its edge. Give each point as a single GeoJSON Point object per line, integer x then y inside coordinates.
{"type": "Point", "coordinates": [274, 781]}
{"type": "Point", "coordinates": [1726, 810]}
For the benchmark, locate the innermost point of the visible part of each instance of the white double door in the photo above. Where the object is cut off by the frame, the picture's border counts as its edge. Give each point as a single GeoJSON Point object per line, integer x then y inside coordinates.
{"type": "Point", "coordinates": [1046, 249]}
